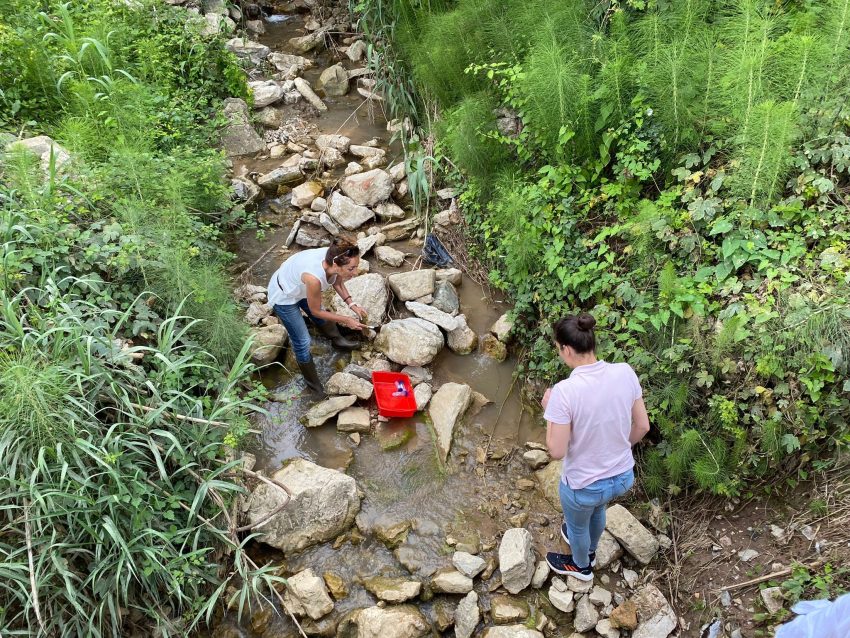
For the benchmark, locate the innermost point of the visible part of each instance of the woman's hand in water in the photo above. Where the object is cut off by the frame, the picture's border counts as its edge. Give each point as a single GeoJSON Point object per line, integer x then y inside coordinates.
{"type": "Point", "coordinates": [545, 400]}
{"type": "Point", "coordinates": [351, 322]}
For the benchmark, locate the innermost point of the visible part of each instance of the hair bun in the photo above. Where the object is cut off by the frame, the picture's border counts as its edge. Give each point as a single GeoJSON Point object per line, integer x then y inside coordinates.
{"type": "Point", "coordinates": [585, 321]}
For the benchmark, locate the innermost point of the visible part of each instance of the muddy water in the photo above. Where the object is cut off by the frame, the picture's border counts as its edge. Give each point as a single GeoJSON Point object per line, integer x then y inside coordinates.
{"type": "Point", "coordinates": [469, 498]}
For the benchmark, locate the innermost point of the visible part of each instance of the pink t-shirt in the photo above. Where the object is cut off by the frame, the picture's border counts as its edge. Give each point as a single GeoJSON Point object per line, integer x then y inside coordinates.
{"type": "Point", "coordinates": [597, 400]}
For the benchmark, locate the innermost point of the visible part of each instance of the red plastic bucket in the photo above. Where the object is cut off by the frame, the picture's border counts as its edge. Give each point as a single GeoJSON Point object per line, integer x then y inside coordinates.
{"type": "Point", "coordinates": [388, 405]}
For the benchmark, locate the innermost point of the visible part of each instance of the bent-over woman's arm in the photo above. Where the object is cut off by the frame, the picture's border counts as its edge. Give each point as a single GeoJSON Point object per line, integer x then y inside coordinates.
{"type": "Point", "coordinates": [558, 439]}
{"type": "Point", "coordinates": [640, 422]}
{"type": "Point", "coordinates": [314, 302]}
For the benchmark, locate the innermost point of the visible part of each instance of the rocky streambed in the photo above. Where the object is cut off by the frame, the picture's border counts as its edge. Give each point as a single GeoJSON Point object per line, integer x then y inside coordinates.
{"type": "Point", "coordinates": [406, 527]}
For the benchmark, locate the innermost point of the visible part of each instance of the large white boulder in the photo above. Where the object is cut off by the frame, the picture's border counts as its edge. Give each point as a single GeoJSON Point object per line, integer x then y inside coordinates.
{"type": "Point", "coordinates": [410, 341]}
{"type": "Point", "coordinates": [413, 284]}
{"type": "Point", "coordinates": [347, 213]}
{"type": "Point", "coordinates": [397, 621]}
{"type": "Point", "coordinates": [467, 616]}
{"type": "Point", "coordinates": [323, 504]}
{"type": "Point", "coordinates": [429, 313]}
{"type": "Point", "coordinates": [516, 559]}
{"type": "Point", "coordinates": [368, 291]}
{"type": "Point", "coordinates": [446, 408]}
{"type": "Point", "coordinates": [656, 618]}
{"type": "Point", "coordinates": [369, 188]}
{"type": "Point", "coordinates": [632, 535]}
{"type": "Point", "coordinates": [265, 92]}
{"type": "Point", "coordinates": [267, 344]}
{"type": "Point", "coordinates": [462, 340]}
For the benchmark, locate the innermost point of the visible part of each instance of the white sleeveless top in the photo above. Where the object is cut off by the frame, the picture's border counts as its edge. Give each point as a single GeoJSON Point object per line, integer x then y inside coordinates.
{"type": "Point", "coordinates": [285, 286]}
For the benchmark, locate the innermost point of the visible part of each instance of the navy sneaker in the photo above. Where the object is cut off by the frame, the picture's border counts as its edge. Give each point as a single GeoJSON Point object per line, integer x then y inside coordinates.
{"type": "Point", "coordinates": [567, 541]}
{"type": "Point", "coordinates": [563, 564]}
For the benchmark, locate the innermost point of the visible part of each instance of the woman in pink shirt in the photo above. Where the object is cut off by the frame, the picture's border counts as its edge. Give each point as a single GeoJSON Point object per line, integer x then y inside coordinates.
{"type": "Point", "coordinates": [593, 418]}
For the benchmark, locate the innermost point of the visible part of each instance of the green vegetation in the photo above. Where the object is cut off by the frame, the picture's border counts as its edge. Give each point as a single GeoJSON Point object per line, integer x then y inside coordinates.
{"type": "Point", "coordinates": [681, 171]}
{"type": "Point", "coordinates": [121, 352]}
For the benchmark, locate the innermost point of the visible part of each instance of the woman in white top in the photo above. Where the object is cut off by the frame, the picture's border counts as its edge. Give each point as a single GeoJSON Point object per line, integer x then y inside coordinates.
{"type": "Point", "coordinates": [593, 418]}
{"type": "Point", "coordinates": [298, 285]}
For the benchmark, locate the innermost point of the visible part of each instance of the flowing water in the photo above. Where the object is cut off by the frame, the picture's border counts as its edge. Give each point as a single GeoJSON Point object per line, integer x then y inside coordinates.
{"type": "Point", "coordinates": [471, 497]}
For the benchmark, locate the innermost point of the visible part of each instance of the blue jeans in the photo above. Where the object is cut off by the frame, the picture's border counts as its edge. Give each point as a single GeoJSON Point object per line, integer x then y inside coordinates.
{"type": "Point", "coordinates": [293, 321]}
{"type": "Point", "coordinates": [584, 512]}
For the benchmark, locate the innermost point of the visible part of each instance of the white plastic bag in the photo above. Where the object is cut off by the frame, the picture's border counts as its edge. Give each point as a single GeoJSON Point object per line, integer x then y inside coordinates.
{"type": "Point", "coordinates": [819, 619]}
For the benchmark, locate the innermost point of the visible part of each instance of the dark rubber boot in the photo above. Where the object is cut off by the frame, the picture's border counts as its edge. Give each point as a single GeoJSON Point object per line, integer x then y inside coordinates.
{"type": "Point", "coordinates": [331, 331]}
{"type": "Point", "coordinates": [311, 376]}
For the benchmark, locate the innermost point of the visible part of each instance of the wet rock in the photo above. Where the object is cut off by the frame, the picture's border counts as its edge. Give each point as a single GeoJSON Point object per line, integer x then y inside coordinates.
{"type": "Point", "coordinates": [356, 51]}
{"type": "Point", "coordinates": [354, 420]}
{"type": "Point", "coordinates": [323, 504]}
{"type": "Point", "coordinates": [255, 26]}
{"type": "Point", "coordinates": [393, 590]}
{"type": "Point", "coordinates": [413, 559]}
{"type": "Point", "coordinates": [388, 210]}
{"type": "Point", "coordinates": [625, 616]}
{"type": "Point", "coordinates": [608, 550]}
{"type": "Point", "coordinates": [606, 629]}
{"type": "Point", "coordinates": [349, 215]}
{"type": "Point", "coordinates": [306, 595]}
{"type": "Point", "coordinates": [267, 344]}
{"type": "Point", "coordinates": [586, 615]}
{"type": "Point", "coordinates": [391, 532]}
{"type": "Point", "coordinates": [389, 256]}
{"type": "Point", "coordinates": [325, 410]}
{"type": "Point", "coordinates": [285, 62]}
{"type": "Point", "coordinates": [516, 558]}
{"type": "Point", "coordinates": [656, 618]}
{"type": "Point", "coordinates": [494, 348]}
{"type": "Point", "coordinates": [257, 312]}
{"type": "Point", "coordinates": [339, 142]}
{"type": "Point", "coordinates": [397, 621]}
{"type": "Point", "coordinates": [536, 458]}
{"type": "Point", "coordinates": [307, 42]}
{"type": "Point", "coordinates": [429, 313]}
{"type": "Point", "coordinates": [368, 291]}
{"type": "Point", "coordinates": [249, 50]}
{"type": "Point", "coordinates": [410, 341]}
{"type": "Point", "coordinates": [283, 175]}
{"type": "Point", "coordinates": [239, 138]}
{"type": "Point", "coordinates": [265, 92]}
{"type": "Point", "coordinates": [468, 564]}
{"type": "Point", "coordinates": [504, 609]}
{"type": "Point", "coordinates": [443, 613]}
{"type": "Point", "coordinates": [417, 374]}
{"type": "Point", "coordinates": [511, 631]}
{"type": "Point", "coordinates": [422, 393]}
{"type": "Point", "coordinates": [446, 409]}
{"type": "Point", "coordinates": [304, 194]}
{"type": "Point", "coordinates": [311, 237]}
{"type": "Point", "coordinates": [446, 298]}
{"type": "Point", "coordinates": [632, 535]}
{"type": "Point", "coordinates": [541, 573]}
{"type": "Point", "coordinates": [304, 88]}
{"type": "Point", "coordinates": [560, 596]}
{"type": "Point", "coordinates": [334, 81]}
{"type": "Point", "coordinates": [345, 383]}
{"type": "Point", "coordinates": [600, 596]}
{"type": "Point", "coordinates": [467, 616]}
{"type": "Point", "coordinates": [451, 581]}
{"type": "Point", "coordinates": [369, 188]}
{"type": "Point", "coordinates": [336, 585]}
{"type": "Point", "coordinates": [502, 328]}
{"type": "Point", "coordinates": [772, 599]}
{"type": "Point", "coordinates": [411, 285]}
{"type": "Point", "coordinates": [462, 340]}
